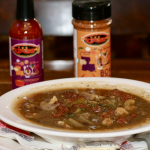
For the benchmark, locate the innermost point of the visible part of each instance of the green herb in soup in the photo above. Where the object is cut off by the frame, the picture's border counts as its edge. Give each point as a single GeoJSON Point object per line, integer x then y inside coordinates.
{"type": "Point", "coordinates": [84, 109]}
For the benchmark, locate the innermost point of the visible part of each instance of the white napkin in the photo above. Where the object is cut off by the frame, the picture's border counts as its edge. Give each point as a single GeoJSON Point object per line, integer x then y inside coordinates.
{"type": "Point", "coordinates": [15, 139]}
{"type": "Point", "coordinates": [9, 144]}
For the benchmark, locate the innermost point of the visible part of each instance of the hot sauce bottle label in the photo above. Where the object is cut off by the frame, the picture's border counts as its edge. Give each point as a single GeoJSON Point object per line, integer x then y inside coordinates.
{"type": "Point", "coordinates": [92, 53]}
{"type": "Point", "coordinates": [26, 58]}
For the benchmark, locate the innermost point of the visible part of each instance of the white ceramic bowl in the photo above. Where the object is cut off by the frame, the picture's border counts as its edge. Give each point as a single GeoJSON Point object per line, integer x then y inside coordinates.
{"type": "Point", "coordinates": [70, 137]}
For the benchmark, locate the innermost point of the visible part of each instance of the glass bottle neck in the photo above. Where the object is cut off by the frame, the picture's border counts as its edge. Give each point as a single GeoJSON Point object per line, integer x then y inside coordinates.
{"type": "Point", "coordinates": [25, 10]}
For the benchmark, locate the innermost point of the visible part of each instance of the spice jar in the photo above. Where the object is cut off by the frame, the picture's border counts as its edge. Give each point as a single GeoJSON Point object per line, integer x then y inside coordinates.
{"type": "Point", "coordinates": [92, 38]}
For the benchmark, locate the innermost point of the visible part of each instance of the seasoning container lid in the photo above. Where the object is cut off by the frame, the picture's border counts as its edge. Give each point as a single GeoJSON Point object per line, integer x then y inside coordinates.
{"type": "Point", "coordinates": [91, 10]}
{"type": "Point", "coordinates": [25, 10]}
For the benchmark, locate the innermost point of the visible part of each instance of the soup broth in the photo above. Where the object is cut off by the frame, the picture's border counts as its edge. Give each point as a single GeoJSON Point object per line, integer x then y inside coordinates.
{"type": "Point", "coordinates": [84, 109]}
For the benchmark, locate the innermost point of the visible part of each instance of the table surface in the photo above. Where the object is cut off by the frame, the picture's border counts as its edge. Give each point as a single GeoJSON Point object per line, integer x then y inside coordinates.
{"type": "Point", "coordinates": [56, 69]}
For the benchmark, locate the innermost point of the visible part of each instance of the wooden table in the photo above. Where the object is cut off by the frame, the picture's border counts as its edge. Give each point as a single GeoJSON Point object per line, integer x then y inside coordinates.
{"type": "Point", "coordinates": [121, 68]}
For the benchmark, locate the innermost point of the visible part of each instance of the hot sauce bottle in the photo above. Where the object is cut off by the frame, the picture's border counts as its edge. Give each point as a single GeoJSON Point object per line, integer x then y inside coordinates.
{"type": "Point", "coordinates": [25, 46]}
{"type": "Point", "coordinates": [92, 38]}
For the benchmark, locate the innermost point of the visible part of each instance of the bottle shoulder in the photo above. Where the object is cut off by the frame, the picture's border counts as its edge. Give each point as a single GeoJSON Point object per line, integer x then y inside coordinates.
{"type": "Point", "coordinates": [90, 25]}
{"type": "Point", "coordinates": [29, 29]}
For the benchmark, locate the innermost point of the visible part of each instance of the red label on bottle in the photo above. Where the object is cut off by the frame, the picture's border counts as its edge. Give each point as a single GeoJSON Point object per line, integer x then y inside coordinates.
{"type": "Point", "coordinates": [26, 59]}
{"type": "Point", "coordinates": [25, 50]}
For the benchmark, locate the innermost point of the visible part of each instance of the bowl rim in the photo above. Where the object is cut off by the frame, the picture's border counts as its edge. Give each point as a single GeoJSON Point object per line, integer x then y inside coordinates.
{"type": "Point", "coordinates": [22, 124]}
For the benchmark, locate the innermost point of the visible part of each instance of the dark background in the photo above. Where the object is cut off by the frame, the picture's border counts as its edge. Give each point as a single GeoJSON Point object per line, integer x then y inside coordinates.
{"type": "Point", "coordinates": [130, 28]}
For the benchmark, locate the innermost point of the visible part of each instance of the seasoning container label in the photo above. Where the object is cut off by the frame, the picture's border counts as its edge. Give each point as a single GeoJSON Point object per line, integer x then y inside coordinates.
{"type": "Point", "coordinates": [26, 57]}
{"type": "Point", "coordinates": [92, 53]}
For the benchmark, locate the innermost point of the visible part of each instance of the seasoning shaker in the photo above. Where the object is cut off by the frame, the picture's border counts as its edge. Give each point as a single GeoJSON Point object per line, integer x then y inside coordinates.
{"type": "Point", "coordinates": [92, 38]}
